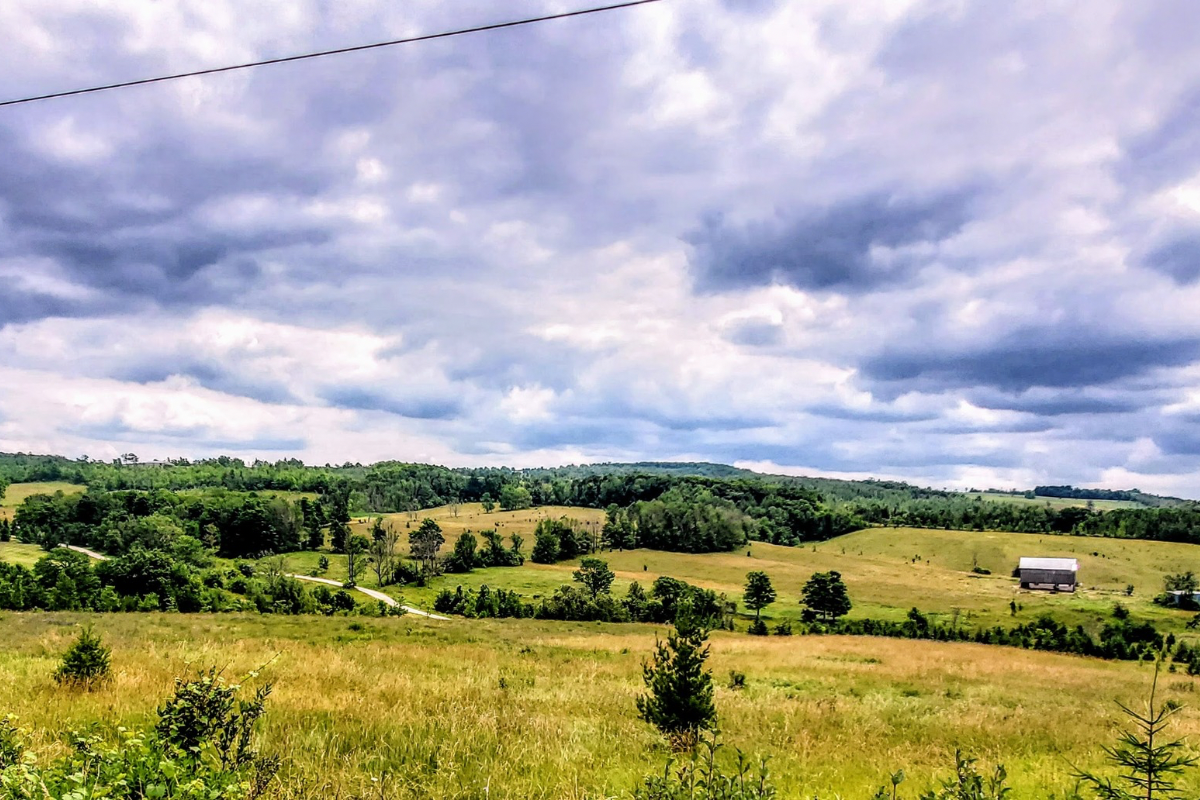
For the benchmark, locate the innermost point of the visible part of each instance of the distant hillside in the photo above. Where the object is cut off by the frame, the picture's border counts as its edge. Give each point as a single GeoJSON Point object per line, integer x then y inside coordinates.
{"type": "Point", "coordinates": [1129, 495]}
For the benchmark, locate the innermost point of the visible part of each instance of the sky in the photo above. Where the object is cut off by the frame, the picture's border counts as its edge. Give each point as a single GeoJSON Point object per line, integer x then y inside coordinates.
{"type": "Point", "coordinates": [955, 243]}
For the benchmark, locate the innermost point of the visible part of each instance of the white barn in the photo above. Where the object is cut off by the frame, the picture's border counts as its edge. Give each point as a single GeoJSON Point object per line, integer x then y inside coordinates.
{"type": "Point", "coordinates": [1054, 574]}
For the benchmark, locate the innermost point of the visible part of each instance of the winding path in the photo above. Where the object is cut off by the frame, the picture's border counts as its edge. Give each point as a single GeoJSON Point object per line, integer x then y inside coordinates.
{"type": "Point", "coordinates": [380, 596]}
{"type": "Point", "coordinates": [372, 593]}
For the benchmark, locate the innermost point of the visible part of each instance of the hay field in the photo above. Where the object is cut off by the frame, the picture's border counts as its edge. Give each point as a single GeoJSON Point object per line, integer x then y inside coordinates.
{"type": "Point", "coordinates": [524, 709]}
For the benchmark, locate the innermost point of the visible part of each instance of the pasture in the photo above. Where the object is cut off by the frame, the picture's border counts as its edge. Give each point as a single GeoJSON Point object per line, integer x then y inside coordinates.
{"type": "Point", "coordinates": [471, 517]}
{"type": "Point", "coordinates": [1054, 502]}
{"type": "Point", "coordinates": [413, 708]}
{"type": "Point", "coordinates": [887, 570]}
{"type": "Point", "coordinates": [17, 492]}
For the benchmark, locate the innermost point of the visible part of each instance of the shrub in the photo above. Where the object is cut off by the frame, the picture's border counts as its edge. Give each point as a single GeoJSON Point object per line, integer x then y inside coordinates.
{"type": "Point", "coordinates": [86, 663]}
{"type": "Point", "coordinates": [737, 680]}
{"type": "Point", "coordinates": [783, 629]}
{"type": "Point", "coordinates": [758, 628]}
{"type": "Point", "coordinates": [201, 749]}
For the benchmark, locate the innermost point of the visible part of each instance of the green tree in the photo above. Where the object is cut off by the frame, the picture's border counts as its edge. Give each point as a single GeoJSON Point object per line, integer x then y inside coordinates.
{"type": "Point", "coordinates": [758, 595]}
{"type": "Point", "coordinates": [462, 558]}
{"type": "Point", "coordinates": [595, 575]}
{"type": "Point", "coordinates": [86, 663]}
{"type": "Point", "coordinates": [488, 504]}
{"type": "Point", "coordinates": [825, 596]}
{"type": "Point", "coordinates": [514, 497]}
{"type": "Point", "coordinates": [425, 541]}
{"type": "Point", "coordinates": [545, 546]}
{"type": "Point", "coordinates": [357, 549]}
{"type": "Point", "coordinates": [679, 700]}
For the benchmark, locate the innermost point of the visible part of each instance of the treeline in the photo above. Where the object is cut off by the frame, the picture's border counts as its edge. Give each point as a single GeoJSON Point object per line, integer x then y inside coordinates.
{"type": "Point", "coordinates": [182, 580]}
{"type": "Point", "coordinates": [1126, 495]}
{"type": "Point", "coordinates": [776, 509]}
{"type": "Point", "coordinates": [1171, 524]}
{"type": "Point", "coordinates": [233, 524]}
{"type": "Point", "coordinates": [593, 602]}
{"type": "Point", "coordinates": [1120, 639]}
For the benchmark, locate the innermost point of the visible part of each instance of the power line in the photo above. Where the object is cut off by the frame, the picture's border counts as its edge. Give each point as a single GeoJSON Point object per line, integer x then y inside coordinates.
{"type": "Point", "coordinates": [427, 37]}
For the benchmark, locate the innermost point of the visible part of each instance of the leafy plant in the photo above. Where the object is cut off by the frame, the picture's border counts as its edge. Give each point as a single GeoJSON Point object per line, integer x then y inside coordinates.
{"type": "Point", "coordinates": [86, 663]}
{"type": "Point", "coordinates": [702, 777]}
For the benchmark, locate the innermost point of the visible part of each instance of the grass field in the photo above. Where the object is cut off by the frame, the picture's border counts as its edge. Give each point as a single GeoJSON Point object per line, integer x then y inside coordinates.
{"type": "Point", "coordinates": [1055, 502]}
{"type": "Point", "coordinates": [883, 572]}
{"type": "Point", "coordinates": [17, 492]}
{"type": "Point", "coordinates": [471, 517]}
{"type": "Point", "coordinates": [522, 709]}
{"type": "Point", "coordinates": [17, 553]}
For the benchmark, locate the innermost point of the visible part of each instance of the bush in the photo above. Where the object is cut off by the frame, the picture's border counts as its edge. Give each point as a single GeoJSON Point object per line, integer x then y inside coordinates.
{"type": "Point", "coordinates": [758, 628]}
{"type": "Point", "coordinates": [737, 680]}
{"type": "Point", "coordinates": [783, 629]}
{"type": "Point", "coordinates": [86, 663]}
{"type": "Point", "coordinates": [201, 749]}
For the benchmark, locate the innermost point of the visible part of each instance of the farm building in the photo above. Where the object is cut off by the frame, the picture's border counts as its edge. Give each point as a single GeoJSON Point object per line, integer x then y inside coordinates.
{"type": "Point", "coordinates": [1055, 574]}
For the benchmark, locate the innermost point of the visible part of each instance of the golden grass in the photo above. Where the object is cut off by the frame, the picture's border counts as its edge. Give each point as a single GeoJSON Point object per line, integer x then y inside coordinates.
{"type": "Point", "coordinates": [524, 709]}
{"type": "Point", "coordinates": [17, 553]}
{"type": "Point", "coordinates": [471, 517]}
{"type": "Point", "coordinates": [17, 492]}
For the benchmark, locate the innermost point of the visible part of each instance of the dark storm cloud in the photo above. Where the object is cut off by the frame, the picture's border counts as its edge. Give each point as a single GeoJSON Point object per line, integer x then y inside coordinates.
{"type": "Point", "coordinates": [1168, 150]}
{"type": "Point", "coordinates": [225, 378]}
{"type": "Point", "coordinates": [128, 230]}
{"type": "Point", "coordinates": [415, 407]}
{"type": "Point", "coordinates": [1022, 360]}
{"type": "Point", "coordinates": [831, 411]}
{"type": "Point", "coordinates": [1178, 257]}
{"type": "Point", "coordinates": [196, 436]}
{"type": "Point", "coordinates": [1059, 403]}
{"type": "Point", "coordinates": [834, 247]}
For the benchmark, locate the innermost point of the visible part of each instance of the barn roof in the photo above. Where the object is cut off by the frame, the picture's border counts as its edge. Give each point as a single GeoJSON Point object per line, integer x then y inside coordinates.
{"type": "Point", "coordinates": [1069, 564]}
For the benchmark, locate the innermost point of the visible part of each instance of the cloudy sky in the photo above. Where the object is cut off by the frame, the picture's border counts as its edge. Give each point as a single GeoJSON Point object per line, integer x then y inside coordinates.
{"type": "Point", "coordinates": [952, 242]}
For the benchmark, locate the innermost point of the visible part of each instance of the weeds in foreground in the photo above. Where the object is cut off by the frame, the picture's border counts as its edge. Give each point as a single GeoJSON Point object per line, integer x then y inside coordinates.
{"type": "Point", "coordinates": [201, 749]}
{"type": "Point", "coordinates": [701, 777]}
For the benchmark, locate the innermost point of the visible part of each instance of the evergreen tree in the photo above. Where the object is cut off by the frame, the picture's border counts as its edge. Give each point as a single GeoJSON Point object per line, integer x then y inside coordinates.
{"type": "Point", "coordinates": [86, 663]}
{"type": "Point", "coordinates": [1148, 764]}
{"type": "Point", "coordinates": [758, 595]}
{"type": "Point", "coordinates": [825, 596]}
{"type": "Point", "coordinates": [679, 701]}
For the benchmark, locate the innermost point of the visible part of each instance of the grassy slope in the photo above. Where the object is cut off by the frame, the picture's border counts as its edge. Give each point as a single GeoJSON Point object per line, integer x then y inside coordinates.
{"type": "Point", "coordinates": [471, 517]}
{"type": "Point", "coordinates": [1056, 502]}
{"type": "Point", "coordinates": [17, 492]}
{"type": "Point", "coordinates": [546, 710]}
{"type": "Point", "coordinates": [879, 569]}
{"type": "Point", "coordinates": [17, 553]}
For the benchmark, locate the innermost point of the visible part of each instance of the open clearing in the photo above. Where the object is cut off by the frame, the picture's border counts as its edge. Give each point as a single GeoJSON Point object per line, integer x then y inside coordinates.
{"type": "Point", "coordinates": [882, 571]}
{"type": "Point", "coordinates": [17, 492]}
{"type": "Point", "coordinates": [472, 517]}
{"type": "Point", "coordinates": [1055, 502]}
{"type": "Point", "coordinates": [525, 709]}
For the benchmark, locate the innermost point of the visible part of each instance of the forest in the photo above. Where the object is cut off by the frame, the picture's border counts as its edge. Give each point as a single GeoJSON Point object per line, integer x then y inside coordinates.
{"type": "Point", "coordinates": [228, 503]}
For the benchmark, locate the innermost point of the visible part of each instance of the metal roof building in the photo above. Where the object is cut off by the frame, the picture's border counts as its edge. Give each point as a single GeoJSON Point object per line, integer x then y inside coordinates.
{"type": "Point", "coordinates": [1055, 574]}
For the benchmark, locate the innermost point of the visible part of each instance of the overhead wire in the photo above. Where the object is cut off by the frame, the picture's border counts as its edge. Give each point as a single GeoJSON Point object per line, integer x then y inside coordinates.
{"type": "Point", "coordinates": [337, 51]}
